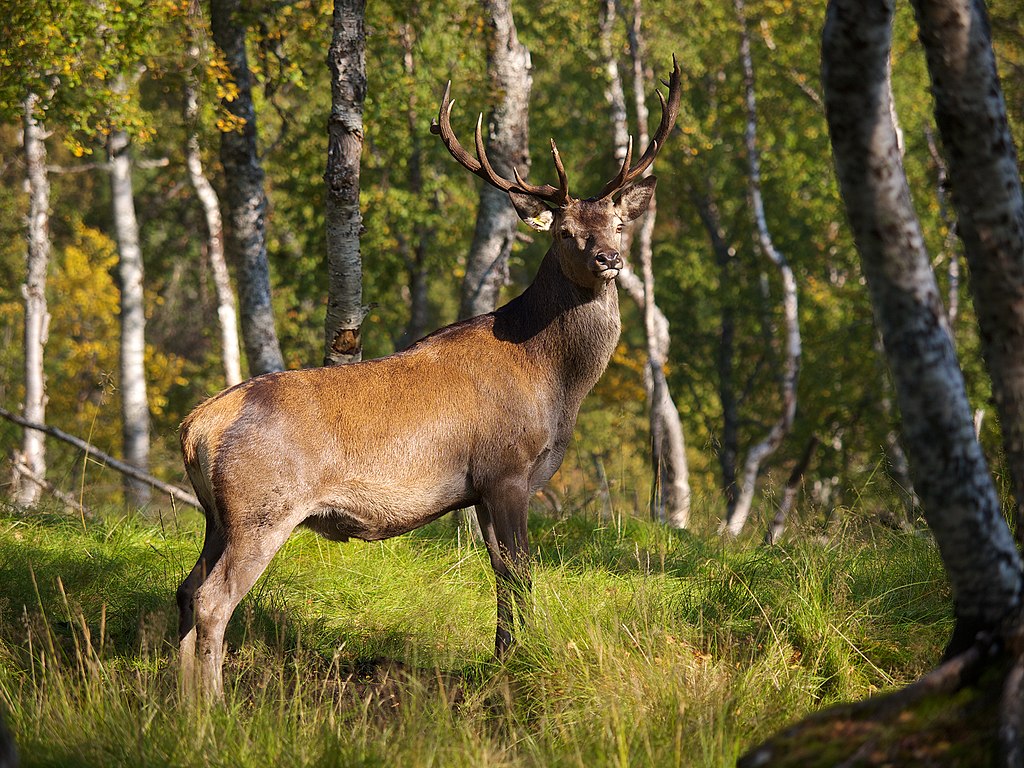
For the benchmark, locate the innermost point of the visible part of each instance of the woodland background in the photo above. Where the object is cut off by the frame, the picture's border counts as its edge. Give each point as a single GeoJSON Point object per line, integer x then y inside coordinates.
{"type": "Point", "coordinates": [647, 645]}
{"type": "Point", "coordinates": [125, 66]}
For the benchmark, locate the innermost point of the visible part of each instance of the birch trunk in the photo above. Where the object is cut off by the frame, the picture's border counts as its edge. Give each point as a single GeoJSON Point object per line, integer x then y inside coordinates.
{"type": "Point", "coordinates": [32, 456]}
{"type": "Point", "coordinates": [757, 455]}
{"type": "Point", "coordinates": [508, 67]}
{"type": "Point", "coordinates": [227, 315]}
{"type": "Point", "coordinates": [134, 401]}
{"type": "Point", "coordinates": [983, 674]}
{"type": "Point", "coordinates": [948, 468]}
{"type": "Point", "coordinates": [986, 190]}
{"type": "Point", "coordinates": [670, 487]}
{"type": "Point", "coordinates": [346, 61]}
{"type": "Point", "coordinates": [246, 197]}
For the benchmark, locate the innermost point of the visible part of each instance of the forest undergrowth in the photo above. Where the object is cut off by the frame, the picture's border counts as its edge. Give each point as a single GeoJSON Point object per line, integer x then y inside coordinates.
{"type": "Point", "coordinates": [645, 646]}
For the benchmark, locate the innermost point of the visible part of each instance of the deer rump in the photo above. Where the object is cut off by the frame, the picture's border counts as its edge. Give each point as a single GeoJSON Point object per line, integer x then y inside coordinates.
{"type": "Point", "coordinates": [374, 449]}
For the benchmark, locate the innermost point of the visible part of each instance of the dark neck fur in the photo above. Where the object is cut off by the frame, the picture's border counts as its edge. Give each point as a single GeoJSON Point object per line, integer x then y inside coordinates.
{"type": "Point", "coordinates": [575, 328]}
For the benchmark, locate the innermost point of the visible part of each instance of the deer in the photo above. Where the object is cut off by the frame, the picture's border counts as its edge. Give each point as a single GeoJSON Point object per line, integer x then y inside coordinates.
{"type": "Point", "coordinates": [477, 414]}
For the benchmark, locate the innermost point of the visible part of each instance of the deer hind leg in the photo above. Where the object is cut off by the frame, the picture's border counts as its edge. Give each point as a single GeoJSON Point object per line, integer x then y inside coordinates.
{"type": "Point", "coordinates": [213, 548]}
{"type": "Point", "coordinates": [503, 518]}
{"type": "Point", "coordinates": [246, 555]}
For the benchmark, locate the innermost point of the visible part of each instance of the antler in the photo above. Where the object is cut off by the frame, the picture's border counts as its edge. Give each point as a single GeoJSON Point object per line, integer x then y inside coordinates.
{"type": "Point", "coordinates": [481, 166]}
{"type": "Point", "coordinates": [627, 174]}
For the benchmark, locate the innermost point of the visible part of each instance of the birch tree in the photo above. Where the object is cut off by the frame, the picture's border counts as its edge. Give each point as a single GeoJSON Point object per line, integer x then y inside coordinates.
{"type": "Point", "coordinates": [346, 61]}
{"type": "Point", "coordinates": [986, 192]}
{"type": "Point", "coordinates": [227, 312]}
{"type": "Point", "coordinates": [670, 496]}
{"type": "Point", "coordinates": [958, 497]}
{"type": "Point", "coordinates": [32, 457]}
{"type": "Point", "coordinates": [507, 146]}
{"type": "Point", "coordinates": [246, 196]}
{"type": "Point", "coordinates": [135, 421]}
{"type": "Point", "coordinates": [759, 452]}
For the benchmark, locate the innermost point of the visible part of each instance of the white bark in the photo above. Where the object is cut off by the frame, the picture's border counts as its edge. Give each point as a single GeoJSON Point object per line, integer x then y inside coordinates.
{"type": "Point", "coordinates": [346, 60]}
{"type": "Point", "coordinates": [227, 314]}
{"type": "Point", "coordinates": [507, 146]}
{"type": "Point", "coordinates": [134, 402]}
{"type": "Point", "coordinates": [757, 455]}
{"type": "Point", "coordinates": [950, 474]}
{"type": "Point", "coordinates": [670, 498]}
{"type": "Point", "coordinates": [32, 456]}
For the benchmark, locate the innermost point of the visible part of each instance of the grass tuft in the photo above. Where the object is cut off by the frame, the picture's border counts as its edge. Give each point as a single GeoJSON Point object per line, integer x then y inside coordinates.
{"type": "Point", "coordinates": [643, 646]}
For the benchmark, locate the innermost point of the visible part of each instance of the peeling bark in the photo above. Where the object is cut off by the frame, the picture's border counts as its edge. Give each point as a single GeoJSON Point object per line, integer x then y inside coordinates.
{"type": "Point", "coordinates": [246, 197]}
{"type": "Point", "coordinates": [346, 61]}
{"type": "Point", "coordinates": [507, 146]}
{"type": "Point", "coordinates": [670, 487]}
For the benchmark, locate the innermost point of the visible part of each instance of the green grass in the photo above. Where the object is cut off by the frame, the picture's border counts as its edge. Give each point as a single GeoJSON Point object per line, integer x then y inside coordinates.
{"type": "Point", "coordinates": [645, 646]}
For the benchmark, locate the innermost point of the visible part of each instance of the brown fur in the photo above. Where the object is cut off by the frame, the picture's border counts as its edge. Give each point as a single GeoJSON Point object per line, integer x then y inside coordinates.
{"type": "Point", "coordinates": [478, 413]}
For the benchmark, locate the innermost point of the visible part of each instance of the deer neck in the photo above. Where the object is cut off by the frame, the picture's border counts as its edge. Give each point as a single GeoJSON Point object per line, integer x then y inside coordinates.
{"type": "Point", "coordinates": [572, 329]}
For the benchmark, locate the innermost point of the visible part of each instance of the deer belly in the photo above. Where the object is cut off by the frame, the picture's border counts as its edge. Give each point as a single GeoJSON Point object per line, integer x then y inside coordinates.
{"type": "Point", "coordinates": [373, 512]}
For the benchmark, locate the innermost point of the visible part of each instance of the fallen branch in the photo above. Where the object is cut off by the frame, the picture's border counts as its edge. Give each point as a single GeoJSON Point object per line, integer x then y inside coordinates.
{"type": "Point", "coordinates": [91, 450]}
{"type": "Point", "coordinates": [65, 498]}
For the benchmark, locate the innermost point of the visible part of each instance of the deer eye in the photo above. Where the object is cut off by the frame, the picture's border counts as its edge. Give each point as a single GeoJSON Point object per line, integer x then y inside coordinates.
{"type": "Point", "coordinates": [565, 234]}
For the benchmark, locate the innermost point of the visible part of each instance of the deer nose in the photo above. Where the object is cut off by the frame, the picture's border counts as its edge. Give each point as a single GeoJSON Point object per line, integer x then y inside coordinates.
{"type": "Point", "coordinates": [608, 260]}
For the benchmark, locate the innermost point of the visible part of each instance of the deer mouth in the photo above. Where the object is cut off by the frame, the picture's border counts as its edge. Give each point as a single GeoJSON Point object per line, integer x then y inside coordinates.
{"type": "Point", "coordinates": [606, 273]}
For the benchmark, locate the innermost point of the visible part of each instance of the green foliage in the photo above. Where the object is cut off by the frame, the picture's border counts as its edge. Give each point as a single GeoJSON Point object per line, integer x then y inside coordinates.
{"type": "Point", "coordinates": [643, 646]}
{"type": "Point", "coordinates": [73, 53]}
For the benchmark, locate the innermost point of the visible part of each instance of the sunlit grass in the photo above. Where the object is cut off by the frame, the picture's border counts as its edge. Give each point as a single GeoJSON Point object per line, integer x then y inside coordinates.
{"type": "Point", "coordinates": [644, 646]}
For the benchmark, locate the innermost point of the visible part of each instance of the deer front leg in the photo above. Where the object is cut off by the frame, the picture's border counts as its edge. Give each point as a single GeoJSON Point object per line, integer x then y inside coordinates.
{"type": "Point", "coordinates": [503, 517]}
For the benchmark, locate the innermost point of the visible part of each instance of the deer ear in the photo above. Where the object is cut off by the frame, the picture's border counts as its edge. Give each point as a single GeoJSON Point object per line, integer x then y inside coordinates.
{"type": "Point", "coordinates": [534, 212]}
{"type": "Point", "coordinates": [634, 201]}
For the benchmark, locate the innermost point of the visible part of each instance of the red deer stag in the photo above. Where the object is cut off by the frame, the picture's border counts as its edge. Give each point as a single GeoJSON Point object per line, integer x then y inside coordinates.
{"type": "Point", "coordinates": [477, 413]}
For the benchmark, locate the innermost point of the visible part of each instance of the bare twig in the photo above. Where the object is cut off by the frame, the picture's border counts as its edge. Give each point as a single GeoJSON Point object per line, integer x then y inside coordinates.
{"type": "Point", "coordinates": [91, 450]}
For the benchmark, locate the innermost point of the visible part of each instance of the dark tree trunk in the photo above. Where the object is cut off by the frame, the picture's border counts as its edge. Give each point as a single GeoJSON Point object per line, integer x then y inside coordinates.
{"type": "Point", "coordinates": [971, 116]}
{"type": "Point", "coordinates": [246, 196]}
{"type": "Point", "coordinates": [346, 61]}
{"type": "Point", "coordinates": [728, 438]}
{"type": "Point", "coordinates": [508, 67]}
{"type": "Point", "coordinates": [946, 461]}
{"type": "Point", "coordinates": [415, 253]}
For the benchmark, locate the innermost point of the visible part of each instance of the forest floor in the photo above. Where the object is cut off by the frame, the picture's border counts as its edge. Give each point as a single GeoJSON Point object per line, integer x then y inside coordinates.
{"type": "Point", "coordinates": [645, 646]}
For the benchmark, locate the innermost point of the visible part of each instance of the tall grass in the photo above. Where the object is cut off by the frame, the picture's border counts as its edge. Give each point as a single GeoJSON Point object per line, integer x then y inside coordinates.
{"type": "Point", "coordinates": [644, 646]}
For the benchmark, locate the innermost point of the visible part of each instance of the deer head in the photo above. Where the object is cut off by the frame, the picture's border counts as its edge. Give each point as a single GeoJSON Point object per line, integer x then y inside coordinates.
{"type": "Point", "coordinates": [586, 232]}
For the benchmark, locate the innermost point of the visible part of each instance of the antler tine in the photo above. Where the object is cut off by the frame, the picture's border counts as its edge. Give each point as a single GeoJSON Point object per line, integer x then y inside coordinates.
{"type": "Point", "coordinates": [620, 178]}
{"type": "Point", "coordinates": [563, 178]}
{"type": "Point", "coordinates": [558, 195]}
{"type": "Point", "coordinates": [669, 110]}
{"type": "Point", "coordinates": [481, 165]}
{"type": "Point", "coordinates": [442, 126]}
{"type": "Point", "coordinates": [489, 173]}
